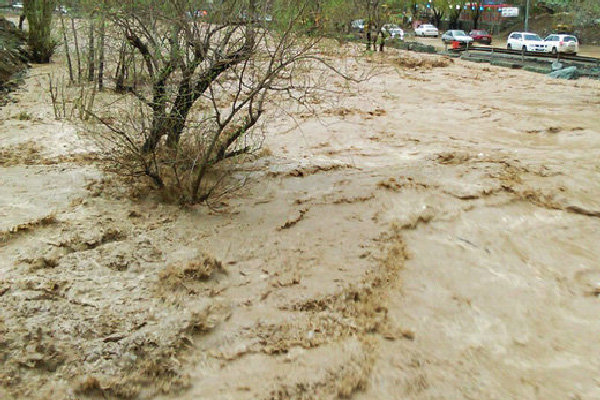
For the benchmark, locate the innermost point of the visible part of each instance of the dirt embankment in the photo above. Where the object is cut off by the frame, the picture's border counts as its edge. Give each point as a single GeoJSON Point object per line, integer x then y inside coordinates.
{"type": "Point", "coordinates": [13, 56]}
{"type": "Point", "coordinates": [544, 24]}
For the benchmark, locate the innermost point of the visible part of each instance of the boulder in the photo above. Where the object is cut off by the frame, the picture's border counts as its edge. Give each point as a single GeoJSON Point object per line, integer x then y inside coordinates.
{"type": "Point", "coordinates": [565, 73]}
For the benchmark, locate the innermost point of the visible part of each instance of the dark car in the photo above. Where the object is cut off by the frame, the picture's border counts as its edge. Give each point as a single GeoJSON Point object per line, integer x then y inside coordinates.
{"type": "Point", "coordinates": [481, 36]}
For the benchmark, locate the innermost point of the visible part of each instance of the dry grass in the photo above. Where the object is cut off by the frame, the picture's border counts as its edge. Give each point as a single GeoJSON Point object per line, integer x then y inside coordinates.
{"type": "Point", "coordinates": [22, 153]}
{"type": "Point", "coordinates": [265, 152]}
{"type": "Point", "coordinates": [23, 116]}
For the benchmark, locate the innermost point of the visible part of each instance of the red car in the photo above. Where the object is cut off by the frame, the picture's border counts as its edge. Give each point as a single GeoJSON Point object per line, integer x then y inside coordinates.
{"type": "Point", "coordinates": [481, 36]}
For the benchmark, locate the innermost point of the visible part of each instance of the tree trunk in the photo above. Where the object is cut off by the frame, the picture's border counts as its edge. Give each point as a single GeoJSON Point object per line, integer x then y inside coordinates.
{"type": "Point", "coordinates": [120, 73]}
{"type": "Point", "coordinates": [452, 21]}
{"type": "Point", "coordinates": [67, 52]}
{"type": "Point", "coordinates": [91, 50]}
{"type": "Point", "coordinates": [39, 19]}
{"type": "Point", "coordinates": [203, 167]}
{"type": "Point", "coordinates": [77, 53]}
{"type": "Point", "coordinates": [101, 56]}
{"type": "Point", "coordinates": [437, 18]}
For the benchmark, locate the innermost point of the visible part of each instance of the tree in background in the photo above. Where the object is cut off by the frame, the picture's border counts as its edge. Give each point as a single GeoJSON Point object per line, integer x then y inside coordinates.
{"type": "Point", "coordinates": [335, 15]}
{"type": "Point", "coordinates": [39, 19]}
{"type": "Point", "coordinates": [589, 10]}
{"type": "Point", "coordinates": [455, 8]}
{"type": "Point", "coordinates": [476, 12]}
{"type": "Point", "coordinates": [438, 9]}
{"type": "Point", "coordinates": [579, 13]}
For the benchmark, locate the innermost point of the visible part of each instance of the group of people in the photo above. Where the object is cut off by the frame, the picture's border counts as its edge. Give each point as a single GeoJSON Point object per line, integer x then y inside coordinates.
{"type": "Point", "coordinates": [375, 37]}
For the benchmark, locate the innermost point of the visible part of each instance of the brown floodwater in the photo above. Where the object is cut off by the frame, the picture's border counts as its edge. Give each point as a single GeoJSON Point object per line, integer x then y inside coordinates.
{"type": "Point", "coordinates": [433, 233]}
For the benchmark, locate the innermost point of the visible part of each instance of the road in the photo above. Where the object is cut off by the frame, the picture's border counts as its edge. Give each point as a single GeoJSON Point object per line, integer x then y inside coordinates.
{"type": "Point", "coordinates": [498, 41]}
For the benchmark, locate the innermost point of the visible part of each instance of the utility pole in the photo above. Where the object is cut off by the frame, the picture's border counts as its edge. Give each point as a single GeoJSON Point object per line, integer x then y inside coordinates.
{"type": "Point", "coordinates": [526, 27]}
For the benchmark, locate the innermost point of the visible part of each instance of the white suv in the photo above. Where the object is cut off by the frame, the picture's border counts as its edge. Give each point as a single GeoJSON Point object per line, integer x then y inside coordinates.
{"type": "Point", "coordinates": [562, 44]}
{"type": "Point", "coordinates": [526, 41]}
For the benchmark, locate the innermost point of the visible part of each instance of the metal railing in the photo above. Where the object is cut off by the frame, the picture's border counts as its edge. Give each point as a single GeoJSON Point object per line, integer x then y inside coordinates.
{"type": "Point", "coordinates": [523, 54]}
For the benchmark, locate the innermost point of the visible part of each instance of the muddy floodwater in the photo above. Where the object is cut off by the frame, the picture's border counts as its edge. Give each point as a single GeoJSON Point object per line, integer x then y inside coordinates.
{"type": "Point", "coordinates": [432, 233]}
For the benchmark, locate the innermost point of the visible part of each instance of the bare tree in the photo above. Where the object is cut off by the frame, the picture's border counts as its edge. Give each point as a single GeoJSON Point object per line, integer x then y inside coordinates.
{"type": "Point", "coordinates": [77, 52]}
{"type": "Point", "coordinates": [208, 80]}
{"type": "Point", "coordinates": [67, 52]}
{"type": "Point", "coordinates": [101, 46]}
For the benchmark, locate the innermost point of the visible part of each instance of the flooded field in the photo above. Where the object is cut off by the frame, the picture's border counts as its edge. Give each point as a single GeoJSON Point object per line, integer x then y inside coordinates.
{"type": "Point", "coordinates": [431, 233]}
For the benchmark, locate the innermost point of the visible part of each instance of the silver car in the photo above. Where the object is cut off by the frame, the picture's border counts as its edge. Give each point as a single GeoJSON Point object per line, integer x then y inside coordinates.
{"type": "Point", "coordinates": [456, 35]}
{"type": "Point", "coordinates": [393, 31]}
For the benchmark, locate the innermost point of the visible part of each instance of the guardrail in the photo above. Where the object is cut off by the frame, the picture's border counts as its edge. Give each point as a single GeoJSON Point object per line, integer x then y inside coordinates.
{"type": "Point", "coordinates": [558, 57]}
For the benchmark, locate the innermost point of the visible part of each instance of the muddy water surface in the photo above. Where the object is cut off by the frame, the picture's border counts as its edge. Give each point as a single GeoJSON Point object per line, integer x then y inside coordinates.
{"type": "Point", "coordinates": [433, 234]}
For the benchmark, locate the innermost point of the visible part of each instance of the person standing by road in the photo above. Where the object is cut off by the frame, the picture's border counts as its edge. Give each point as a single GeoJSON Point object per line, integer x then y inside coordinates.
{"type": "Point", "coordinates": [382, 37]}
{"type": "Point", "coordinates": [367, 30]}
{"type": "Point", "coordinates": [375, 36]}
